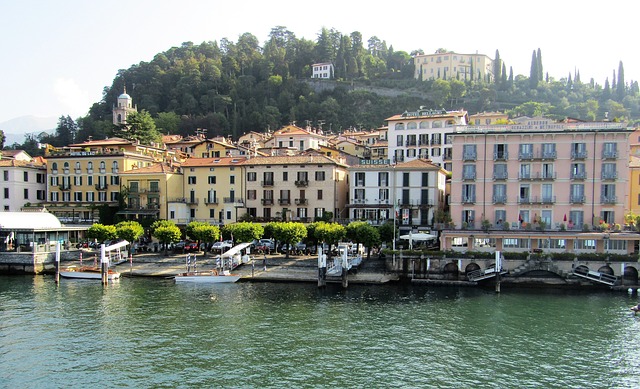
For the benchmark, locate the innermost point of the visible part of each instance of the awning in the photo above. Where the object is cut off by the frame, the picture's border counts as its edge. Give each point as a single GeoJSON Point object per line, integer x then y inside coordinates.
{"type": "Point", "coordinates": [236, 249]}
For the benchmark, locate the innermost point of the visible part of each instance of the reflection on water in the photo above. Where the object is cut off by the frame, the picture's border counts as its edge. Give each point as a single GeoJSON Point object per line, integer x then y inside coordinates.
{"type": "Point", "coordinates": [153, 333]}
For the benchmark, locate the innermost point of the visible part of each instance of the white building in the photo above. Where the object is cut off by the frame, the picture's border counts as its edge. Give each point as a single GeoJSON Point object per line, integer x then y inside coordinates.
{"type": "Point", "coordinates": [124, 108]}
{"type": "Point", "coordinates": [411, 192]}
{"type": "Point", "coordinates": [22, 183]}
{"type": "Point", "coordinates": [423, 134]}
{"type": "Point", "coordinates": [322, 70]}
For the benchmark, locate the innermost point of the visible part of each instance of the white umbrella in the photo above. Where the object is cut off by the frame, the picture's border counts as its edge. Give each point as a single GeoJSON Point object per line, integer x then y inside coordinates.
{"type": "Point", "coordinates": [420, 236]}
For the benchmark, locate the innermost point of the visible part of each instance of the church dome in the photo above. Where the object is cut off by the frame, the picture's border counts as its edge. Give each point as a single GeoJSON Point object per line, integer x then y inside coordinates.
{"type": "Point", "coordinates": [124, 96]}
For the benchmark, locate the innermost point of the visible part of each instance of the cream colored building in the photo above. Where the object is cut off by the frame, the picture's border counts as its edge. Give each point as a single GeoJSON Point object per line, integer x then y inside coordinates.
{"type": "Point", "coordinates": [446, 66]}
{"type": "Point", "coordinates": [424, 134]}
{"type": "Point", "coordinates": [487, 118]}
{"type": "Point", "coordinates": [299, 188]}
{"type": "Point", "coordinates": [23, 183]}
{"type": "Point", "coordinates": [84, 176]}
{"type": "Point", "coordinates": [149, 189]}
{"type": "Point", "coordinates": [213, 191]}
{"type": "Point", "coordinates": [296, 138]}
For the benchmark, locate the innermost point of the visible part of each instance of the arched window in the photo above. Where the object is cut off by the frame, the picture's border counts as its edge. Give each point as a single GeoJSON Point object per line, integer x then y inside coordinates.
{"type": "Point", "coordinates": [412, 126]}
{"type": "Point", "coordinates": [89, 166]}
{"type": "Point", "coordinates": [114, 167]}
{"type": "Point", "coordinates": [103, 165]}
{"type": "Point", "coordinates": [66, 165]}
{"type": "Point", "coordinates": [437, 124]}
{"type": "Point", "coordinates": [54, 167]}
{"type": "Point", "coordinates": [77, 165]}
{"type": "Point", "coordinates": [424, 124]}
{"type": "Point", "coordinates": [399, 126]}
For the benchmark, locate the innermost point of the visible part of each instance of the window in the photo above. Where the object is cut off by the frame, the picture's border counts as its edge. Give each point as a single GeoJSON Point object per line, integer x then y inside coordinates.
{"type": "Point", "coordinates": [6, 174]}
{"type": "Point", "coordinates": [499, 193]}
{"type": "Point", "coordinates": [77, 196]}
{"type": "Point", "coordinates": [26, 176]}
{"type": "Point", "coordinates": [251, 176]}
{"type": "Point", "coordinates": [212, 213]}
{"type": "Point", "coordinates": [90, 197]}
{"type": "Point", "coordinates": [405, 179]}
{"type": "Point", "coordinates": [320, 176]}
{"type": "Point", "coordinates": [383, 179]}
{"type": "Point", "coordinates": [77, 180]}
{"type": "Point", "coordinates": [90, 180]}
{"type": "Point", "coordinates": [577, 193]}
{"type": "Point", "coordinates": [359, 179]}
{"type": "Point", "coordinates": [500, 152]}
{"type": "Point", "coordinates": [578, 150]}
{"type": "Point", "coordinates": [54, 181]}
{"type": "Point", "coordinates": [191, 180]}
{"type": "Point", "coordinates": [500, 217]}
{"type": "Point", "coordinates": [172, 214]}
{"type": "Point", "coordinates": [399, 140]}
{"type": "Point", "coordinates": [526, 151]}
{"type": "Point", "coordinates": [285, 176]}
{"type": "Point", "coordinates": [115, 180]}
{"type": "Point", "coordinates": [425, 179]}
{"type": "Point", "coordinates": [525, 195]}
{"type": "Point", "coordinates": [26, 194]}
{"type": "Point", "coordinates": [500, 171]}
{"type": "Point", "coordinates": [232, 180]}
{"type": "Point", "coordinates": [53, 196]}
{"type": "Point", "coordinates": [114, 196]}
{"type": "Point", "coordinates": [212, 179]}
{"type": "Point", "coordinates": [6, 193]}
{"type": "Point", "coordinates": [525, 171]}
{"type": "Point", "coordinates": [251, 194]}
{"type": "Point", "coordinates": [468, 193]}
{"type": "Point", "coordinates": [40, 178]}
{"type": "Point", "coordinates": [383, 195]}
{"type": "Point", "coordinates": [66, 196]}
{"type": "Point", "coordinates": [578, 171]}
{"type": "Point", "coordinates": [319, 194]}
{"type": "Point", "coordinates": [469, 153]}
{"type": "Point", "coordinates": [468, 172]}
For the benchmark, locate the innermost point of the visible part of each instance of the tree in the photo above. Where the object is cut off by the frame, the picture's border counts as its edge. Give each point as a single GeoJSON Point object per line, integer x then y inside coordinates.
{"type": "Point", "coordinates": [101, 232]}
{"type": "Point", "coordinates": [362, 232]}
{"type": "Point", "coordinates": [497, 68]}
{"type": "Point", "coordinates": [330, 233]}
{"type": "Point", "coordinates": [386, 232]}
{"type": "Point", "coordinates": [620, 87]}
{"type": "Point", "coordinates": [243, 232]}
{"type": "Point", "coordinates": [533, 73]}
{"type": "Point", "coordinates": [129, 231]}
{"type": "Point", "coordinates": [289, 233]}
{"type": "Point", "coordinates": [203, 232]}
{"type": "Point", "coordinates": [458, 90]}
{"type": "Point", "coordinates": [167, 122]}
{"type": "Point", "coordinates": [140, 127]}
{"type": "Point", "coordinates": [167, 232]}
{"type": "Point", "coordinates": [440, 92]}
{"type": "Point", "coordinates": [3, 138]}
{"type": "Point", "coordinates": [539, 67]}
{"type": "Point", "coordinates": [65, 132]}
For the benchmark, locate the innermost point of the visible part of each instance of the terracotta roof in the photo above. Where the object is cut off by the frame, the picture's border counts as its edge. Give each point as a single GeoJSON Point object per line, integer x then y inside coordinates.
{"type": "Point", "coordinates": [157, 168]}
{"type": "Point", "coordinates": [18, 163]}
{"type": "Point", "coordinates": [220, 161]}
{"type": "Point", "coordinates": [418, 163]}
{"type": "Point", "coordinates": [103, 142]}
{"type": "Point", "coordinates": [291, 160]}
{"type": "Point", "coordinates": [11, 153]}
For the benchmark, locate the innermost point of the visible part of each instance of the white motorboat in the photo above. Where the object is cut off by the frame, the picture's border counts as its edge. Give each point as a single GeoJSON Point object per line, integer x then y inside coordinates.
{"type": "Point", "coordinates": [208, 277]}
{"type": "Point", "coordinates": [88, 273]}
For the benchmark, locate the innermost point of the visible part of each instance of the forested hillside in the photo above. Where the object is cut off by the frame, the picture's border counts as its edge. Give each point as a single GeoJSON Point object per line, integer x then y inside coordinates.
{"type": "Point", "coordinates": [233, 87]}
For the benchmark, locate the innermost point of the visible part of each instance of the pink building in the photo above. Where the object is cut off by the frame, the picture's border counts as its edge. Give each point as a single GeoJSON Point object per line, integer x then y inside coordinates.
{"type": "Point", "coordinates": [565, 178]}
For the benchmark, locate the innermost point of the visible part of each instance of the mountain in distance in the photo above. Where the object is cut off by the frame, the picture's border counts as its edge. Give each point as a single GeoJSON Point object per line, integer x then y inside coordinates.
{"type": "Point", "coordinates": [15, 129]}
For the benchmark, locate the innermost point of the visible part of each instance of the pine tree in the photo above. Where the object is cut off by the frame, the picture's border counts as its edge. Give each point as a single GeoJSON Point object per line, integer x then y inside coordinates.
{"type": "Point", "coordinates": [620, 90]}
{"type": "Point", "coordinates": [533, 74]}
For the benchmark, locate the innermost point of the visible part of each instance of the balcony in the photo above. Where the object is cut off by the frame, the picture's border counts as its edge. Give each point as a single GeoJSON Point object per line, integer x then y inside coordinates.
{"type": "Point", "coordinates": [284, 201]}
{"type": "Point", "coordinates": [609, 154]}
{"type": "Point", "coordinates": [65, 186]}
{"type": "Point", "coordinates": [469, 156]}
{"type": "Point", "coordinates": [579, 154]}
{"type": "Point", "coordinates": [359, 201]}
{"type": "Point", "coordinates": [549, 154]}
{"type": "Point", "coordinates": [135, 189]}
{"type": "Point", "coordinates": [410, 143]}
{"type": "Point", "coordinates": [524, 200]}
{"type": "Point", "coordinates": [212, 200]}
{"type": "Point", "coordinates": [178, 200]}
{"type": "Point", "coordinates": [609, 175]}
{"type": "Point", "coordinates": [546, 176]}
{"type": "Point", "coordinates": [115, 170]}
{"type": "Point", "coordinates": [577, 199]}
{"type": "Point", "coordinates": [267, 201]}
{"type": "Point", "coordinates": [267, 183]}
{"type": "Point", "coordinates": [578, 175]}
{"type": "Point", "coordinates": [89, 171]}
{"type": "Point", "coordinates": [228, 200]}
{"type": "Point", "coordinates": [541, 200]}
{"type": "Point", "coordinates": [302, 201]}
{"type": "Point", "coordinates": [500, 199]}
{"type": "Point", "coordinates": [524, 176]}
{"type": "Point", "coordinates": [101, 186]}
{"type": "Point", "coordinates": [500, 175]}
{"type": "Point", "coordinates": [192, 201]}
{"type": "Point", "coordinates": [501, 156]}
{"type": "Point", "coordinates": [102, 171]}
{"type": "Point", "coordinates": [154, 190]}
{"type": "Point", "coordinates": [525, 155]}
{"type": "Point", "coordinates": [468, 176]}
{"type": "Point", "coordinates": [302, 183]}
{"type": "Point", "coordinates": [608, 199]}
{"type": "Point", "coordinates": [468, 199]}
{"type": "Point", "coordinates": [77, 171]}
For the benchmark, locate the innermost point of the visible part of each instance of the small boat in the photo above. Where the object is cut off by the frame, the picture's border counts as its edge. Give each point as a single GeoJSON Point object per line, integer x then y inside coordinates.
{"type": "Point", "coordinates": [208, 277]}
{"type": "Point", "coordinates": [88, 273]}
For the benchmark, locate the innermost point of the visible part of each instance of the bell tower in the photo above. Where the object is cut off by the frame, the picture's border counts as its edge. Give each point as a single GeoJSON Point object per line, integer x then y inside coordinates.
{"type": "Point", "coordinates": [123, 108]}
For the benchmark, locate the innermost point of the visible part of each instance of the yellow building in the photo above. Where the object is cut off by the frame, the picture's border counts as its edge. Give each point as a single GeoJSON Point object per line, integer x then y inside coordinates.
{"type": "Point", "coordinates": [213, 189]}
{"type": "Point", "coordinates": [486, 118]}
{"type": "Point", "coordinates": [446, 66]}
{"type": "Point", "coordinates": [299, 188]}
{"type": "Point", "coordinates": [85, 176]}
{"type": "Point", "coordinates": [149, 189]}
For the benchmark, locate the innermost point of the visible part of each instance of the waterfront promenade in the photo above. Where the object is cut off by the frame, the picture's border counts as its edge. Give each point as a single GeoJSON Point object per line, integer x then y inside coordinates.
{"type": "Point", "coordinates": [278, 269]}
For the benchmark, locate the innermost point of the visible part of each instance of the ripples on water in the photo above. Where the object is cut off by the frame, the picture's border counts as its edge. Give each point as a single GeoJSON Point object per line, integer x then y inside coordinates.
{"type": "Point", "coordinates": [153, 333]}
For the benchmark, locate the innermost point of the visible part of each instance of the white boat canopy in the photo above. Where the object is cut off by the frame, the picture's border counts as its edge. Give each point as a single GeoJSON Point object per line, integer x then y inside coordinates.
{"type": "Point", "coordinates": [236, 249]}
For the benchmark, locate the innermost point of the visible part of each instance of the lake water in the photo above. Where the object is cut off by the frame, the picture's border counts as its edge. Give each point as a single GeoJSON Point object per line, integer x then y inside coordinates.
{"type": "Point", "coordinates": [154, 333]}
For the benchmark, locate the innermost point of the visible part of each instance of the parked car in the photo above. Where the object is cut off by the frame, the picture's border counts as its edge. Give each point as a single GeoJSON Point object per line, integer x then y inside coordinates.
{"type": "Point", "coordinates": [191, 246]}
{"type": "Point", "coordinates": [268, 243]}
{"type": "Point", "coordinates": [299, 247]}
{"type": "Point", "coordinates": [221, 246]}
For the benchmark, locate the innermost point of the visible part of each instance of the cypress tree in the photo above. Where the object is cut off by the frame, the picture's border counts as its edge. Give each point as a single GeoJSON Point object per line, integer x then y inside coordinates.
{"type": "Point", "coordinates": [613, 81]}
{"type": "Point", "coordinates": [620, 90]}
{"type": "Point", "coordinates": [540, 73]}
{"type": "Point", "coordinates": [497, 68]}
{"type": "Point", "coordinates": [533, 74]}
{"type": "Point", "coordinates": [503, 81]}
{"type": "Point", "coordinates": [510, 76]}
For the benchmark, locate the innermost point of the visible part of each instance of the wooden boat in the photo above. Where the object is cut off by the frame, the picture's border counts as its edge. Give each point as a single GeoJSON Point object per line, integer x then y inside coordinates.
{"type": "Point", "coordinates": [88, 273]}
{"type": "Point", "coordinates": [208, 277]}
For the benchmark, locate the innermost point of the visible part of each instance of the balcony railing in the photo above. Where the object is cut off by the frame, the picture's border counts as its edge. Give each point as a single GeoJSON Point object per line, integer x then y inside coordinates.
{"type": "Point", "coordinates": [501, 156]}
{"type": "Point", "coordinates": [302, 201]}
{"type": "Point", "coordinates": [468, 175]}
{"type": "Point", "coordinates": [608, 199]}
{"type": "Point", "coordinates": [524, 200]}
{"type": "Point", "coordinates": [609, 175]}
{"type": "Point", "coordinates": [579, 154]}
{"type": "Point", "coordinates": [228, 200]}
{"type": "Point", "coordinates": [102, 186]}
{"type": "Point", "coordinates": [500, 199]}
{"type": "Point", "coordinates": [302, 183]}
{"type": "Point", "coordinates": [577, 199]}
{"type": "Point", "coordinates": [359, 201]}
{"type": "Point", "coordinates": [609, 154]}
{"type": "Point", "coordinates": [468, 199]}
{"type": "Point", "coordinates": [549, 154]}
{"type": "Point", "coordinates": [524, 176]}
{"type": "Point", "coordinates": [541, 200]}
{"type": "Point", "coordinates": [284, 201]}
{"type": "Point", "coordinates": [213, 200]}
{"type": "Point", "coordinates": [267, 201]}
{"type": "Point", "coordinates": [525, 155]}
{"type": "Point", "coordinates": [578, 175]}
{"type": "Point", "coordinates": [65, 186]}
{"type": "Point", "coordinates": [154, 190]}
{"type": "Point", "coordinates": [78, 171]}
{"type": "Point", "coordinates": [192, 201]}
{"type": "Point", "coordinates": [469, 156]}
{"type": "Point", "coordinates": [500, 175]}
{"type": "Point", "coordinates": [267, 183]}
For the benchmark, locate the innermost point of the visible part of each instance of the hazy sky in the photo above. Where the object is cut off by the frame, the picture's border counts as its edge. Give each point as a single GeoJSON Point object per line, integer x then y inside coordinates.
{"type": "Point", "coordinates": [57, 56]}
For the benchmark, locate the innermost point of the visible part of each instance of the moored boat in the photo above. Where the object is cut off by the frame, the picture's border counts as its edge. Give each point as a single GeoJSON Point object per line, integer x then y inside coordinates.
{"type": "Point", "coordinates": [88, 273]}
{"type": "Point", "coordinates": [209, 277]}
